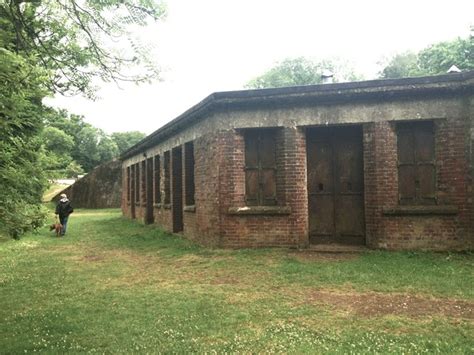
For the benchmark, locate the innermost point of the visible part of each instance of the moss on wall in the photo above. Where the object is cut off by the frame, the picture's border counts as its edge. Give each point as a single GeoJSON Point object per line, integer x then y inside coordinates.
{"type": "Point", "coordinates": [101, 188]}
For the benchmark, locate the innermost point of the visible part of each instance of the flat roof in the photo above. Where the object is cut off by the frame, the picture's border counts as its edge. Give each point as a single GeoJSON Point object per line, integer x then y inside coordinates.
{"type": "Point", "coordinates": [382, 89]}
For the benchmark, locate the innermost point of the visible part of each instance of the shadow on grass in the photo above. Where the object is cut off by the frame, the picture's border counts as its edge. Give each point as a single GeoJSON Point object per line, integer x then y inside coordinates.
{"type": "Point", "coordinates": [120, 232]}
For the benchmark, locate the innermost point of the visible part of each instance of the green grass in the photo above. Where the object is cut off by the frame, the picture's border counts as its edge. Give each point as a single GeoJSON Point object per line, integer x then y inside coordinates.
{"type": "Point", "coordinates": [115, 286]}
{"type": "Point", "coordinates": [52, 191]}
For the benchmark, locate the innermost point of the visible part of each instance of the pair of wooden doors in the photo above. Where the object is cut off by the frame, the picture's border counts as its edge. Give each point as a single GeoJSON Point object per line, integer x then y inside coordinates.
{"type": "Point", "coordinates": [336, 185]}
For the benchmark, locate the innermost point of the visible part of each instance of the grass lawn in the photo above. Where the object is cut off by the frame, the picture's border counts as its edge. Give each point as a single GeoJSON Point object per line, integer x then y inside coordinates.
{"type": "Point", "coordinates": [115, 286]}
{"type": "Point", "coordinates": [52, 191]}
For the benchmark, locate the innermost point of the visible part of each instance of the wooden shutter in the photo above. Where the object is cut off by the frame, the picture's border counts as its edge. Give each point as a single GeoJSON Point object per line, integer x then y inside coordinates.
{"type": "Point", "coordinates": [251, 168]}
{"type": "Point", "coordinates": [143, 181]}
{"type": "Point", "coordinates": [260, 167]}
{"type": "Point", "coordinates": [137, 182]}
{"type": "Point", "coordinates": [189, 173]}
{"type": "Point", "coordinates": [128, 183]}
{"type": "Point", "coordinates": [425, 158]}
{"type": "Point", "coordinates": [416, 163]}
{"type": "Point", "coordinates": [406, 165]}
{"type": "Point", "coordinates": [167, 178]}
{"type": "Point", "coordinates": [266, 152]}
{"type": "Point", "coordinates": [157, 179]}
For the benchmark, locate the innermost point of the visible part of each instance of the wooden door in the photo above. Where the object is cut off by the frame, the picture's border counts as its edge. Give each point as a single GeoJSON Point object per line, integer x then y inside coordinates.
{"type": "Point", "coordinates": [336, 185]}
{"type": "Point", "coordinates": [132, 191]}
{"type": "Point", "coordinates": [177, 189]}
{"type": "Point", "coordinates": [149, 218]}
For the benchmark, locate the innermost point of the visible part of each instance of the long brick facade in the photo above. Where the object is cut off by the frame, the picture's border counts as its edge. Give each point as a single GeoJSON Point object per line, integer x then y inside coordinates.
{"type": "Point", "coordinates": [213, 177]}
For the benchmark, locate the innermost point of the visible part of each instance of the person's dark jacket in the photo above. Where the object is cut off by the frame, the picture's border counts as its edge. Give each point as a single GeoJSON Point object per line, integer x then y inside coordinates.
{"type": "Point", "coordinates": [64, 208]}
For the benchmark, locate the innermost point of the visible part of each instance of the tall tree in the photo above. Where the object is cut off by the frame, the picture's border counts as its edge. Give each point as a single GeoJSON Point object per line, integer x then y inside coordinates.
{"type": "Point", "coordinates": [302, 71]}
{"type": "Point", "coordinates": [89, 146]}
{"type": "Point", "coordinates": [439, 57]}
{"type": "Point", "coordinates": [74, 39]}
{"type": "Point", "coordinates": [56, 46]}
{"type": "Point", "coordinates": [56, 151]}
{"type": "Point", "coordinates": [402, 65]}
{"type": "Point", "coordinates": [22, 86]}
{"type": "Point", "coordinates": [125, 140]}
{"type": "Point", "coordinates": [432, 60]}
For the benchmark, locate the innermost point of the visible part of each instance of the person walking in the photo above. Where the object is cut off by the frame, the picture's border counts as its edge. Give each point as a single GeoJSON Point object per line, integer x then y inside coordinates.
{"type": "Point", "coordinates": [63, 210]}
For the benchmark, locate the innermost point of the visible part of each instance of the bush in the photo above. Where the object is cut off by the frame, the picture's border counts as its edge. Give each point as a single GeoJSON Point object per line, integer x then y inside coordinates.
{"type": "Point", "coordinates": [19, 218]}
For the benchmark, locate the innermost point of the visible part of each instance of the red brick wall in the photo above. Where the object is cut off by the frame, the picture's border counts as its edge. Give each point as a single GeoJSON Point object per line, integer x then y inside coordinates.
{"type": "Point", "coordinates": [432, 232]}
{"type": "Point", "coordinates": [289, 230]}
{"type": "Point", "coordinates": [203, 224]}
{"type": "Point", "coordinates": [125, 204]}
{"type": "Point", "coordinates": [220, 184]}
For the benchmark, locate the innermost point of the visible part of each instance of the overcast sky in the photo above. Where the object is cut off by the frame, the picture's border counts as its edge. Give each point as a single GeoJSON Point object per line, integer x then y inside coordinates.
{"type": "Point", "coordinates": [217, 45]}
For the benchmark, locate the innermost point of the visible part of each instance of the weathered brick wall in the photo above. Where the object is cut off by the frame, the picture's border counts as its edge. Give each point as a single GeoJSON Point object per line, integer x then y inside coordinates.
{"type": "Point", "coordinates": [161, 213]}
{"type": "Point", "coordinates": [380, 178]}
{"type": "Point", "coordinates": [373, 211]}
{"type": "Point", "coordinates": [469, 111]}
{"type": "Point", "coordinates": [452, 151]}
{"type": "Point", "coordinates": [203, 225]}
{"type": "Point", "coordinates": [220, 176]}
{"type": "Point", "coordinates": [260, 230]}
{"type": "Point", "coordinates": [125, 205]}
{"type": "Point", "coordinates": [101, 188]}
{"type": "Point", "coordinates": [430, 232]}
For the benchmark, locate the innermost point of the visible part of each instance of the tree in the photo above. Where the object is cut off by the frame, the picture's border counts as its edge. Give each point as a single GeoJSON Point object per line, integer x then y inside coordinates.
{"type": "Point", "coordinates": [89, 145]}
{"type": "Point", "coordinates": [439, 57]}
{"type": "Point", "coordinates": [126, 140]}
{"type": "Point", "coordinates": [56, 151]}
{"type": "Point", "coordinates": [402, 65]}
{"type": "Point", "coordinates": [57, 140]}
{"type": "Point", "coordinates": [22, 180]}
{"type": "Point", "coordinates": [107, 148]}
{"type": "Point", "coordinates": [73, 39]}
{"type": "Point", "coordinates": [73, 169]}
{"type": "Point", "coordinates": [432, 60]}
{"type": "Point", "coordinates": [302, 71]}
{"type": "Point", "coordinates": [57, 46]}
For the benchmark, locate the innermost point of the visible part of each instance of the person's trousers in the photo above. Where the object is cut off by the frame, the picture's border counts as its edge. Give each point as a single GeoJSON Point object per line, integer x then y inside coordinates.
{"type": "Point", "coordinates": [63, 221]}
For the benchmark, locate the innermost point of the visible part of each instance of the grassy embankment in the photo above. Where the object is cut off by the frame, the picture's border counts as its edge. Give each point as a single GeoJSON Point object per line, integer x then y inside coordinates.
{"type": "Point", "coordinates": [113, 285]}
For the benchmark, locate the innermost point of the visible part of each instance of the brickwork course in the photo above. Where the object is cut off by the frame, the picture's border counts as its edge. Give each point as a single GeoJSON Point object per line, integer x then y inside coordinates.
{"type": "Point", "coordinates": [386, 163]}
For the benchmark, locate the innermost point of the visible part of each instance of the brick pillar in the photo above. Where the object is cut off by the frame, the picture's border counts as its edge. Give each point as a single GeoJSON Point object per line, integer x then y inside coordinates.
{"type": "Point", "coordinates": [206, 179]}
{"type": "Point", "coordinates": [292, 168]}
{"type": "Point", "coordinates": [454, 183]}
{"type": "Point", "coordinates": [470, 113]}
{"type": "Point", "coordinates": [124, 200]}
{"type": "Point", "coordinates": [380, 177]}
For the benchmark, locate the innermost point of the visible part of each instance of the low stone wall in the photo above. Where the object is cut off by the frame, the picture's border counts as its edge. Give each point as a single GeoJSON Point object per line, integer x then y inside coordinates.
{"type": "Point", "coordinates": [101, 188]}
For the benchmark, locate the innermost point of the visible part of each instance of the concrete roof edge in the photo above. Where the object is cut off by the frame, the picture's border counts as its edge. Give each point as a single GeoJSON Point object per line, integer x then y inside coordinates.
{"type": "Point", "coordinates": [313, 91]}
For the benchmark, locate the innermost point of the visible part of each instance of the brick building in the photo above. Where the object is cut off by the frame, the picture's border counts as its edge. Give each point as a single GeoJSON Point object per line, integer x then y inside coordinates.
{"type": "Point", "coordinates": [385, 163]}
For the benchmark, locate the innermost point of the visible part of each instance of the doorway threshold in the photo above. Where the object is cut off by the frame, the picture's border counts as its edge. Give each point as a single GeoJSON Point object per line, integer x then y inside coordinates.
{"type": "Point", "coordinates": [337, 248]}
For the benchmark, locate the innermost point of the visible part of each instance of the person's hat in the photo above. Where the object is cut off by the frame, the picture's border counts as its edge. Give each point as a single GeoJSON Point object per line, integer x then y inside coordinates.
{"type": "Point", "coordinates": [63, 196]}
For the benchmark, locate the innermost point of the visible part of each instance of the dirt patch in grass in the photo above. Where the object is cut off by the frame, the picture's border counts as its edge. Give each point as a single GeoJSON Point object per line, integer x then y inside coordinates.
{"type": "Point", "coordinates": [92, 258]}
{"type": "Point", "coordinates": [377, 304]}
{"type": "Point", "coordinates": [225, 280]}
{"type": "Point", "coordinates": [309, 256]}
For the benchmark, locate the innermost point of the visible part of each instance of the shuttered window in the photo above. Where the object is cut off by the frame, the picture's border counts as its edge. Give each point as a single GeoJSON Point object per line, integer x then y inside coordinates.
{"type": "Point", "coordinates": [157, 179]}
{"type": "Point", "coordinates": [137, 182]}
{"type": "Point", "coordinates": [143, 181]}
{"type": "Point", "coordinates": [260, 167]}
{"type": "Point", "coordinates": [167, 178]}
{"type": "Point", "coordinates": [189, 173]}
{"type": "Point", "coordinates": [128, 183]}
{"type": "Point", "coordinates": [416, 163]}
